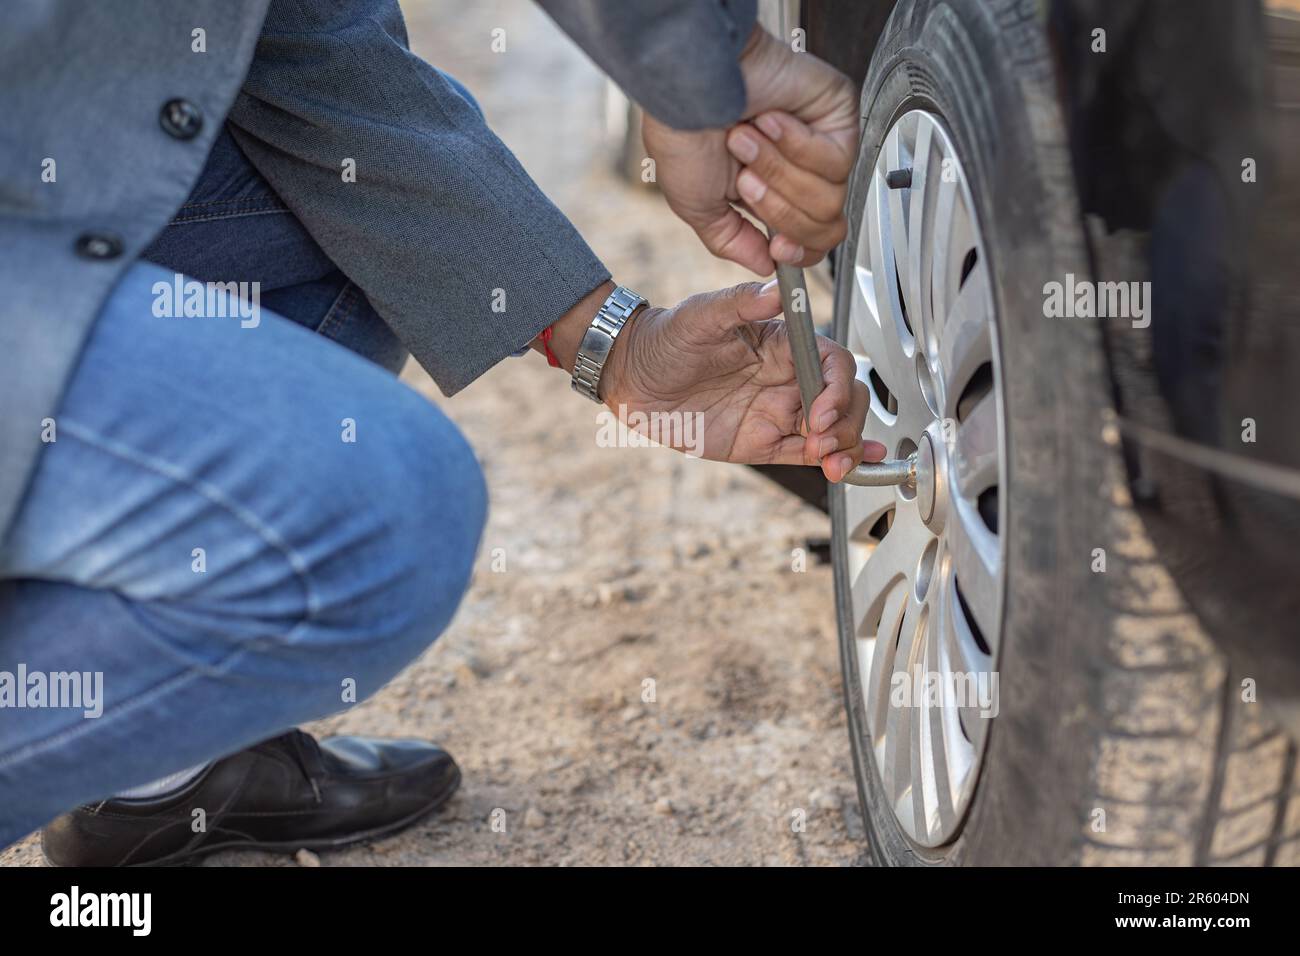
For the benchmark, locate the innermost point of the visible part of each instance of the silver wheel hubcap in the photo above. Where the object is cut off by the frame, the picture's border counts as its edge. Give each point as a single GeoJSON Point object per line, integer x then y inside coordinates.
{"type": "Point", "coordinates": [927, 562]}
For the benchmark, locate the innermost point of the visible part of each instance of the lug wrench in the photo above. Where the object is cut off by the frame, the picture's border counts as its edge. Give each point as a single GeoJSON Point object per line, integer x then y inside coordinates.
{"type": "Point", "coordinates": [808, 369]}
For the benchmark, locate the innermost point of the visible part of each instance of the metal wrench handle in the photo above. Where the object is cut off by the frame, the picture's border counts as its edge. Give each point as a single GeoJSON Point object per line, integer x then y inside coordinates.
{"type": "Point", "coordinates": [808, 369]}
{"type": "Point", "coordinates": [803, 335]}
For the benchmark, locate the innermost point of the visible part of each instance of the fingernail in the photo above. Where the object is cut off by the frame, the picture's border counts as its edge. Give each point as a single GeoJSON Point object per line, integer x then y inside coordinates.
{"type": "Point", "coordinates": [743, 146]}
{"type": "Point", "coordinates": [826, 446]}
{"type": "Point", "coordinates": [826, 420]}
{"type": "Point", "coordinates": [845, 464]}
{"type": "Point", "coordinates": [788, 251]}
{"type": "Point", "coordinates": [770, 127]}
{"type": "Point", "coordinates": [751, 187]}
{"type": "Point", "coordinates": [768, 286]}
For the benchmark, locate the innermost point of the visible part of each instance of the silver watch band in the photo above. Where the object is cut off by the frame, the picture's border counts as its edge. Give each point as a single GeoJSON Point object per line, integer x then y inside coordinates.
{"type": "Point", "coordinates": [598, 341]}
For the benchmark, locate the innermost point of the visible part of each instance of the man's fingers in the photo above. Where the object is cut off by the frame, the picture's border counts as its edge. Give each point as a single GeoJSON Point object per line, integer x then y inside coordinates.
{"type": "Point", "coordinates": [731, 236]}
{"type": "Point", "coordinates": [793, 177]}
{"type": "Point", "coordinates": [841, 463]}
{"type": "Point", "coordinates": [838, 372]}
{"type": "Point", "coordinates": [838, 415]}
{"type": "Point", "coordinates": [821, 199]}
{"type": "Point", "coordinates": [843, 434]}
{"type": "Point", "coordinates": [782, 216]}
{"type": "Point", "coordinates": [801, 257]}
{"type": "Point", "coordinates": [829, 155]}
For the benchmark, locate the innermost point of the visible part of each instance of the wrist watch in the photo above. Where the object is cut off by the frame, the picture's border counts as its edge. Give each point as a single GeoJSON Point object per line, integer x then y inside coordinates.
{"type": "Point", "coordinates": [596, 344]}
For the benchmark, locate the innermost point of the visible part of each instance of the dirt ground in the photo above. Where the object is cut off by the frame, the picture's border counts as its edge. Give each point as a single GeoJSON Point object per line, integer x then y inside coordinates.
{"type": "Point", "coordinates": [603, 569]}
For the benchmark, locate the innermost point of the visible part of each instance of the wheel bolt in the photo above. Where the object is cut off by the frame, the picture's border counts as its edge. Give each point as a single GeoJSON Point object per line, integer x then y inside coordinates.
{"type": "Point", "coordinates": [899, 179]}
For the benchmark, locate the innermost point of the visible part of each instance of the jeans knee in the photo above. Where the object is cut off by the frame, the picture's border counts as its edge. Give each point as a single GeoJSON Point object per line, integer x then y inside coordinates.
{"type": "Point", "coordinates": [444, 493]}
{"type": "Point", "coordinates": [434, 504]}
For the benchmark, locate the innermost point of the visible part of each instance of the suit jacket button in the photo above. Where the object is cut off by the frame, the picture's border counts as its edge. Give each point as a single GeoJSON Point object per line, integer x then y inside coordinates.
{"type": "Point", "coordinates": [93, 245]}
{"type": "Point", "coordinates": [181, 118]}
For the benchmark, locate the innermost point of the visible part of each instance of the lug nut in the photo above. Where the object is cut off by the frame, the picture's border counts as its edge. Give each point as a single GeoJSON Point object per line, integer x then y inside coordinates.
{"type": "Point", "coordinates": [899, 179]}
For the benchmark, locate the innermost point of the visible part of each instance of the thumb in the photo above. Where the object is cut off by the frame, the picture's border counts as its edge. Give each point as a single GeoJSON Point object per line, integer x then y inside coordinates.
{"type": "Point", "coordinates": [755, 301]}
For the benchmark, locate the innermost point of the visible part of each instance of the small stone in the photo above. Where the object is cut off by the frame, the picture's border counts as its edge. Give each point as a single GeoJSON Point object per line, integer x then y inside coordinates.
{"type": "Point", "coordinates": [631, 713]}
{"type": "Point", "coordinates": [664, 807]}
{"type": "Point", "coordinates": [824, 800]}
{"type": "Point", "coordinates": [534, 819]}
{"type": "Point", "coordinates": [634, 595]}
{"type": "Point", "coordinates": [307, 858]}
{"type": "Point", "coordinates": [465, 674]}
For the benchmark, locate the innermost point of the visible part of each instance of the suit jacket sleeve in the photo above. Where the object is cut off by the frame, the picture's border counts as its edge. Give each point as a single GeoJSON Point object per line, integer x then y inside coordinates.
{"type": "Point", "coordinates": [677, 58]}
{"type": "Point", "coordinates": [449, 238]}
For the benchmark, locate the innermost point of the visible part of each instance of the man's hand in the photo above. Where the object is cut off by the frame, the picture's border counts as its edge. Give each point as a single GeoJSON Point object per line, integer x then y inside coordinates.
{"type": "Point", "coordinates": [788, 165]}
{"type": "Point", "coordinates": [725, 356]}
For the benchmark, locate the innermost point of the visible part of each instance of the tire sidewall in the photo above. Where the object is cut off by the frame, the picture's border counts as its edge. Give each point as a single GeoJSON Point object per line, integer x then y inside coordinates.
{"type": "Point", "coordinates": [983, 69]}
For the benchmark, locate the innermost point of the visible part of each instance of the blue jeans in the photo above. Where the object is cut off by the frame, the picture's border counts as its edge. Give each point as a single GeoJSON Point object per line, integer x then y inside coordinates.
{"type": "Point", "coordinates": [203, 533]}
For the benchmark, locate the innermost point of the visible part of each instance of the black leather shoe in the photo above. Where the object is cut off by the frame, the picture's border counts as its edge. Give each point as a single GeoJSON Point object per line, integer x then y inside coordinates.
{"type": "Point", "coordinates": [287, 793]}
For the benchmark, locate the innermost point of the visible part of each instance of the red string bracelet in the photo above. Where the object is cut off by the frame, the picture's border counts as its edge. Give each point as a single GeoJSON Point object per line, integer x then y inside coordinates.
{"type": "Point", "coordinates": [546, 344]}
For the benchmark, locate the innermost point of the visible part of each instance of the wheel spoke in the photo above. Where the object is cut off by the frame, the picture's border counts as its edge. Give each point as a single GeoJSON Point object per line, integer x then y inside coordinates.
{"type": "Point", "coordinates": [960, 650]}
{"type": "Point", "coordinates": [865, 320]}
{"type": "Point", "coordinates": [959, 240]}
{"type": "Point", "coordinates": [975, 558]}
{"type": "Point", "coordinates": [897, 209]}
{"type": "Point", "coordinates": [943, 212]}
{"type": "Point", "coordinates": [964, 340]}
{"type": "Point", "coordinates": [864, 506]}
{"type": "Point", "coordinates": [960, 655]}
{"type": "Point", "coordinates": [974, 461]}
{"type": "Point", "coordinates": [879, 665]}
{"type": "Point", "coordinates": [893, 560]}
{"type": "Point", "coordinates": [900, 740]}
{"type": "Point", "coordinates": [919, 240]}
{"type": "Point", "coordinates": [936, 745]}
{"type": "Point", "coordinates": [920, 759]}
{"type": "Point", "coordinates": [890, 345]}
{"type": "Point", "coordinates": [887, 427]}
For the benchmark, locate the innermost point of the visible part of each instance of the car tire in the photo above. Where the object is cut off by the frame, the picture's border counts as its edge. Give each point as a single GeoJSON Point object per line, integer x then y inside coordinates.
{"type": "Point", "coordinates": [1120, 736]}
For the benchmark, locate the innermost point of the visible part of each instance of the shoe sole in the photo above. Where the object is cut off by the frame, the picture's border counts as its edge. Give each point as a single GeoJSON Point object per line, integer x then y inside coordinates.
{"type": "Point", "coordinates": [334, 843]}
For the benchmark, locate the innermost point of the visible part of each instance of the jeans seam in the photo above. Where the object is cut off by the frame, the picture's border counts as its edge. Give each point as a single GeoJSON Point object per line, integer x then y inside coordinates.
{"type": "Point", "coordinates": [340, 311]}
{"type": "Point", "coordinates": [234, 214]}
{"type": "Point", "coordinates": [213, 494]}
{"type": "Point", "coordinates": [251, 200]}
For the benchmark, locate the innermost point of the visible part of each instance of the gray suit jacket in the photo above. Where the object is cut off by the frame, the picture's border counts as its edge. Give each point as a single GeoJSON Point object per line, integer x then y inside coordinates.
{"type": "Point", "coordinates": [440, 214]}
